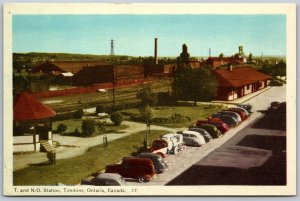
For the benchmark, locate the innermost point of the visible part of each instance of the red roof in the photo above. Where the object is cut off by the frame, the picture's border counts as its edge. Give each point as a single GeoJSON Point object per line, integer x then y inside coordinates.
{"type": "Point", "coordinates": [26, 107]}
{"type": "Point", "coordinates": [239, 76]}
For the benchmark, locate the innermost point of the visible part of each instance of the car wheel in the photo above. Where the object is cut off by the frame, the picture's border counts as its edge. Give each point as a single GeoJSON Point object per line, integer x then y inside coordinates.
{"type": "Point", "coordinates": [143, 179]}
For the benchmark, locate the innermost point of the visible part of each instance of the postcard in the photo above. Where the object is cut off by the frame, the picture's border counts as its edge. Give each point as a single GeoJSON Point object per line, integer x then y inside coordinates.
{"type": "Point", "coordinates": [149, 99]}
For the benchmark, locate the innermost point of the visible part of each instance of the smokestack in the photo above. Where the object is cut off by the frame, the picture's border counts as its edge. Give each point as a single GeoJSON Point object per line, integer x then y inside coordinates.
{"type": "Point", "coordinates": [155, 52]}
{"type": "Point", "coordinates": [209, 52]}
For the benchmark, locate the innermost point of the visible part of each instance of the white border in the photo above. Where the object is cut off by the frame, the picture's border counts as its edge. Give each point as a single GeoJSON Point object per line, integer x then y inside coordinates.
{"type": "Point", "coordinates": [48, 8]}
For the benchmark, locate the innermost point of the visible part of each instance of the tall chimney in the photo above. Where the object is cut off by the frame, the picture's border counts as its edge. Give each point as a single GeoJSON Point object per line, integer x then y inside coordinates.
{"type": "Point", "coordinates": [155, 52]}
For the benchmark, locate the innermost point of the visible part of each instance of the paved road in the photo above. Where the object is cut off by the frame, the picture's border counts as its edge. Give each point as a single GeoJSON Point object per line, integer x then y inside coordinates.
{"type": "Point", "coordinates": [185, 160]}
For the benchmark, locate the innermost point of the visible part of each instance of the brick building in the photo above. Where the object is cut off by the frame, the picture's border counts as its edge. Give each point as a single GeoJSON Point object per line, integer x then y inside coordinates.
{"type": "Point", "coordinates": [238, 82]}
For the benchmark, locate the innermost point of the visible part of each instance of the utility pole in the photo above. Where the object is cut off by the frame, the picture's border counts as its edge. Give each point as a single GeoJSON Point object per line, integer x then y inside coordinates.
{"type": "Point", "coordinates": [112, 53]}
{"type": "Point", "coordinates": [114, 72]}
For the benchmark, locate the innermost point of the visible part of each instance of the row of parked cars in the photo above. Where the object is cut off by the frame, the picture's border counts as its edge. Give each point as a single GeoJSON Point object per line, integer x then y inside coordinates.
{"type": "Point", "coordinates": [145, 165]}
{"type": "Point", "coordinates": [215, 125]}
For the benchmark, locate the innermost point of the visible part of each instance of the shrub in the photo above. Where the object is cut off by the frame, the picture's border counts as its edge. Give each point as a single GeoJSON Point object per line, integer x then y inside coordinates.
{"type": "Point", "coordinates": [100, 109]}
{"type": "Point", "coordinates": [64, 116]}
{"type": "Point", "coordinates": [88, 127]}
{"type": "Point", "coordinates": [79, 114]}
{"type": "Point", "coordinates": [116, 118]}
{"type": "Point", "coordinates": [178, 118]}
{"type": "Point", "coordinates": [76, 132]}
{"type": "Point", "coordinates": [61, 127]}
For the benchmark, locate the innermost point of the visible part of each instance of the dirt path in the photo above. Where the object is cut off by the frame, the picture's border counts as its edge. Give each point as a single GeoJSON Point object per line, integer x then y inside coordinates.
{"type": "Point", "coordinates": [75, 146]}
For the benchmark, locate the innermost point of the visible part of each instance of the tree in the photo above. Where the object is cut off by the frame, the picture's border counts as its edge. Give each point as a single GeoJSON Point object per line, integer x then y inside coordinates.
{"type": "Point", "coordinates": [195, 84]}
{"type": "Point", "coordinates": [146, 113]}
{"type": "Point", "coordinates": [61, 127]}
{"type": "Point", "coordinates": [250, 57]}
{"type": "Point", "coordinates": [79, 114]}
{"type": "Point", "coordinates": [221, 55]}
{"type": "Point", "coordinates": [147, 96]}
{"type": "Point", "coordinates": [146, 116]}
{"type": "Point", "coordinates": [184, 56]}
{"type": "Point", "coordinates": [88, 127]}
{"type": "Point", "coordinates": [116, 118]}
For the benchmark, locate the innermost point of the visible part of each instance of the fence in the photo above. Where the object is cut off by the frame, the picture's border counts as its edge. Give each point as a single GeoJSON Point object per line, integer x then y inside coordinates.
{"type": "Point", "coordinates": [89, 89]}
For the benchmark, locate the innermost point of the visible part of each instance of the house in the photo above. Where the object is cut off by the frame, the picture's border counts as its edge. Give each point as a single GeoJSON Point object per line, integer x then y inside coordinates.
{"type": "Point", "coordinates": [237, 82]}
{"type": "Point", "coordinates": [92, 72]}
{"type": "Point", "coordinates": [93, 75]}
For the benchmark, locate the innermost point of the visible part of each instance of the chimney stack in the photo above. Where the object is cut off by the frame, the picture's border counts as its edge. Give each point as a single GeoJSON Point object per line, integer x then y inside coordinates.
{"type": "Point", "coordinates": [155, 52]}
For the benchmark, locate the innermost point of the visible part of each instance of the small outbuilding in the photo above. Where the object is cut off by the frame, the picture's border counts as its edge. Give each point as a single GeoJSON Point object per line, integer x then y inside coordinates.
{"type": "Point", "coordinates": [28, 109]}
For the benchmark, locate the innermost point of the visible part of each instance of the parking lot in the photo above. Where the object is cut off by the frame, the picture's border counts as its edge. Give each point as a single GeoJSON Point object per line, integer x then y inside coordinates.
{"type": "Point", "coordinates": [179, 163]}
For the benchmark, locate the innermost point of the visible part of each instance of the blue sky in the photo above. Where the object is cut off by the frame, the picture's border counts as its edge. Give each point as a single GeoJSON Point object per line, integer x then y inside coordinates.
{"type": "Point", "coordinates": [134, 34]}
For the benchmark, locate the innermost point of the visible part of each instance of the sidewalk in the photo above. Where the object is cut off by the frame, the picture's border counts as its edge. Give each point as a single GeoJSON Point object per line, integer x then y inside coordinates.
{"type": "Point", "coordinates": [244, 98]}
{"type": "Point", "coordinates": [75, 146]}
{"type": "Point", "coordinates": [233, 102]}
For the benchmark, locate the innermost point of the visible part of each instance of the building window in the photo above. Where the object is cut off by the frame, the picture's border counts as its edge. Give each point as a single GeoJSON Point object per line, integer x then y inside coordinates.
{"type": "Point", "coordinates": [248, 87]}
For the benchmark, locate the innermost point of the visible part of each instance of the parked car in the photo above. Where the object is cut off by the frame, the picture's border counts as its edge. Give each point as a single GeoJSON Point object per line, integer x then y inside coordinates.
{"type": "Point", "coordinates": [241, 113]}
{"type": "Point", "coordinates": [212, 130]}
{"type": "Point", "coordinates": [241, 109]}
{"type": "Point", "coordinates": [105, 179]}
{"type": "Point", "coordinates": [159, 147]}
{"type": "Point", "coordinates": [229, 120]}
{"type": "Point", "coordinates": [218, 123]}
{"type": "Point", "coordinates": [202, 131]}
{"type": "Point", "coordinates": [175, 142]}
{"type": "Point", "coordinates": [193, 138]}
{"type": "Point", "coordinates": [233, 114]}
{"type": "Point", "coordinates": [159, 163]}
{"type": "Point", "coordinates": [248, 107]}
{"type": "Point", "coordinates": [239, 117]}
{"type": "Point", "coordinates": [141, 169]}
{"type": "Point", "coordinates": [275, 104]}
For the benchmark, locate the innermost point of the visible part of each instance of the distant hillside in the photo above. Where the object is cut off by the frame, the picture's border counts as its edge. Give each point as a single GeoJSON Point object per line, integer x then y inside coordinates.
{"type": "Point", "coordinates": [31, 59]}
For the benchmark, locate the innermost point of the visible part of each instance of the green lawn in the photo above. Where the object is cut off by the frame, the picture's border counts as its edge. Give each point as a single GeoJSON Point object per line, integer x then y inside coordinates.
{"type": "Point", "coordinates": [193, 112]}
{"type": "Point", "coordinates": [72, 124]}
{"type": "Point", "coordinates": [71, 171]}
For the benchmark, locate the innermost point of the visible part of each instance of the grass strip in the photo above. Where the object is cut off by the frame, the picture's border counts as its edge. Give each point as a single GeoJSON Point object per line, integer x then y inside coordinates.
{"type": "Point", "coordinates": [72, 170]}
